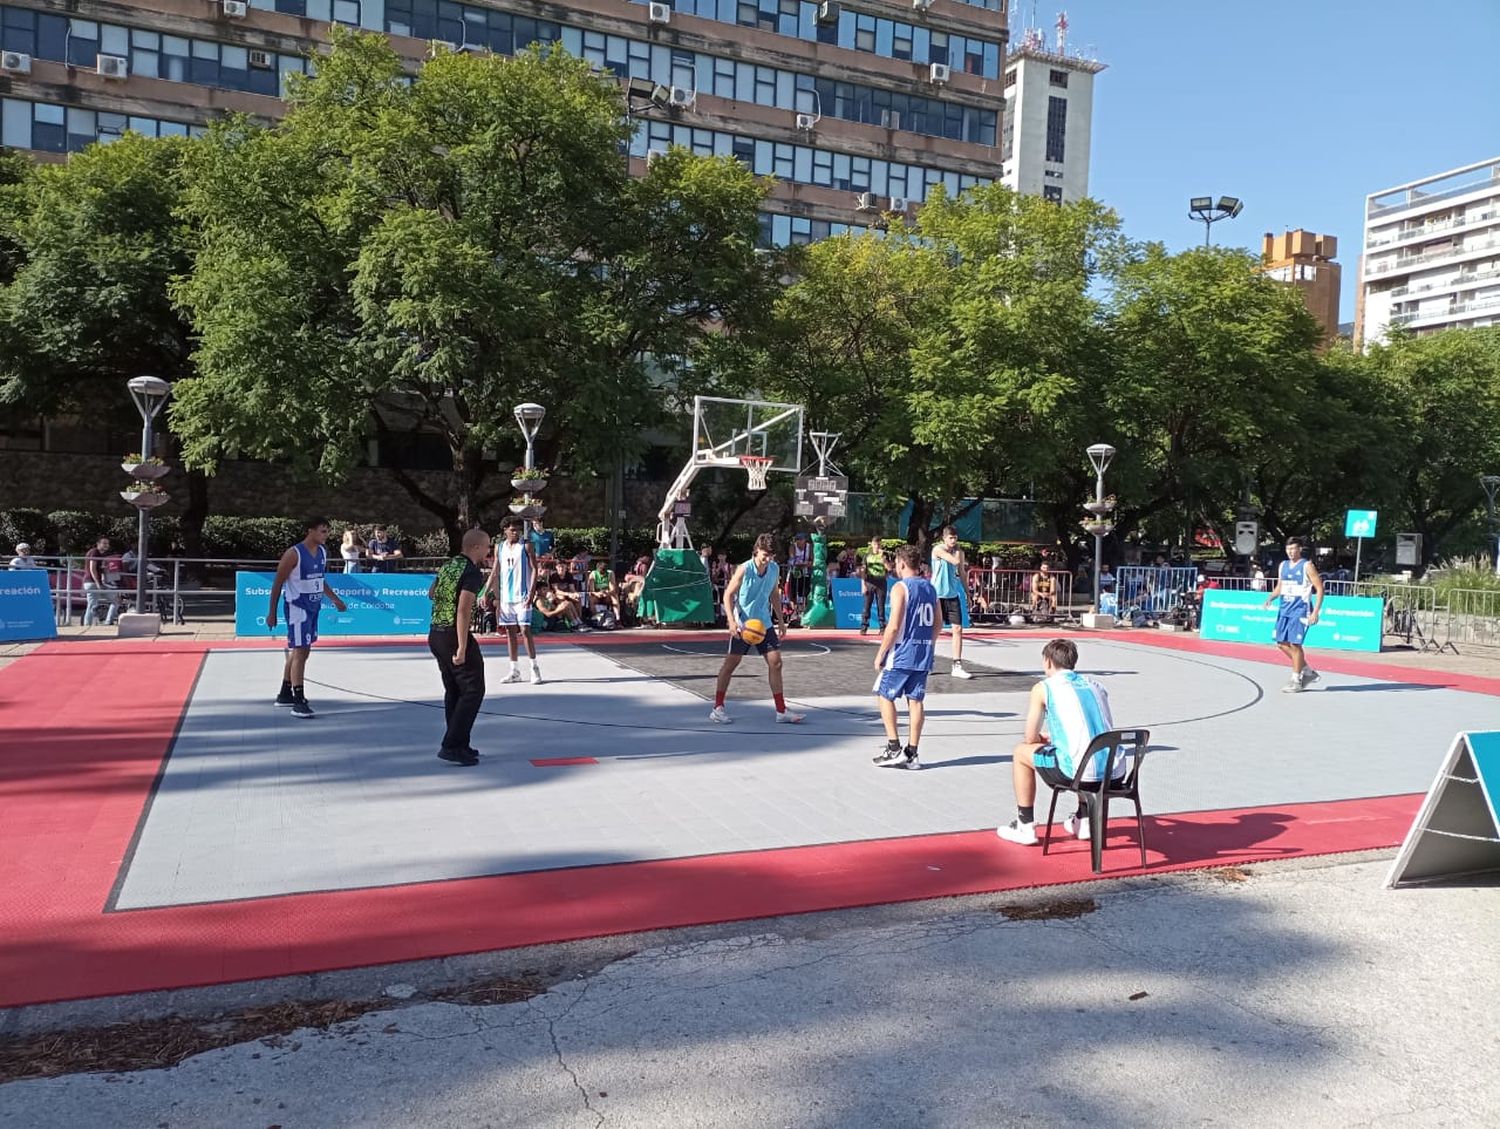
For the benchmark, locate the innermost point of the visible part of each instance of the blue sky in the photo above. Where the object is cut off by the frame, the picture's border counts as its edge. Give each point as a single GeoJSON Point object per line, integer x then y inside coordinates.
{"type": "Point", "coordinates": [1300, 108]}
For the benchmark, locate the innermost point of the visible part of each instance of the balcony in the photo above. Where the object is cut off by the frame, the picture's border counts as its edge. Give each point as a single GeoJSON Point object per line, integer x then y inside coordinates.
{"type": "Point", "coordinates": [1439, 255]}
{"type": "Point", "coordinates": [1422, 199]}
{"type": "Point", "coordinates": [1431, 229]}
{"type": "Point", "coordinates": [1455, 310]}
{"type": "Point", "coordinates": [1459, 283]}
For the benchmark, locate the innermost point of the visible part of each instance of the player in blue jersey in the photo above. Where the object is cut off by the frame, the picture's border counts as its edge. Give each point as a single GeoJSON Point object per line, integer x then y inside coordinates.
{"type": "Point", "coordinates": [754, 592]}
{"type": "Point", "coordinates": [1296, 580]}
{"type": "Point", "coordinates": [949, 571]}
{"type": "Point", "coordinates": [298, 590]}
{"type": "Point", "coordinates": [905, 658]}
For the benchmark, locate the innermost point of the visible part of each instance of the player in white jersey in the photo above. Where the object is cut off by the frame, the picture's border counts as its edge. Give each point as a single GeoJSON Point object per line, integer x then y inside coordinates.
{"type": "Point", "coordinates": [298, 590]}
{"type": "Point", "coordinates": [1296, 580]}
{"type": "Point", "coordinates": [513, 581]}
{"type": "Point", "coordinates": [1067, 711]}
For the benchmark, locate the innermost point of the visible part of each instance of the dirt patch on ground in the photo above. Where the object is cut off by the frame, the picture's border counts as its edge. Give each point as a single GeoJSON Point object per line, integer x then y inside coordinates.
{"type": "Point", "coordinates": [1049, 911]}
{"type": "Point", "coordinates": [155, 1043]}
{"type": "Point", "coordinates": [1229, 874]}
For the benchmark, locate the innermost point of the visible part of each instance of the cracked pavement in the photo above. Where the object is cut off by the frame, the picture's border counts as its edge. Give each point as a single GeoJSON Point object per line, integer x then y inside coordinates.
{"type": "Point", "coordinates": [1304, 992]}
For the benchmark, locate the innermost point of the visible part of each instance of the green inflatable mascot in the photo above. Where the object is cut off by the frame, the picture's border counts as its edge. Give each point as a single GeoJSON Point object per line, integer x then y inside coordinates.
{"type": "Point", "coordinates": [819, 611]}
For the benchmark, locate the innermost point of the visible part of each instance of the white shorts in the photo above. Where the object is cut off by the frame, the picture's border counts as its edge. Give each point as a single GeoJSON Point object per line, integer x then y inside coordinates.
{"type": "Point", "coordinates": [514, 615]}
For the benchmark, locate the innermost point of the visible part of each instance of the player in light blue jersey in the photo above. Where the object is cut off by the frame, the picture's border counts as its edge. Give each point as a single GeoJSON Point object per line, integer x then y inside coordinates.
{"type": "Point", "coordinates": [299, 579]}
{"type": "Point", "coordinates": [1296, 580]}
{"type": "Point", "coordinates": [950, 581]}
{"type": "Point", "coordinates": [754, 592]}
{"type": "Point", "coordinates": [905, 658]}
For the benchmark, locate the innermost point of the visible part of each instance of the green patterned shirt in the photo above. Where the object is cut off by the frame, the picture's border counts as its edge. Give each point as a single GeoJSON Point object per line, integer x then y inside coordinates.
{"type": "Point", "coordinates": [458, 575]}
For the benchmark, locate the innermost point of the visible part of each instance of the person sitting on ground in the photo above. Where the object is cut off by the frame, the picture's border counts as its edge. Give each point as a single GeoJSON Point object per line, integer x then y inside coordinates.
{"type": "Point", "coordinates": [1043, 589]}
{"type": "Point", "coordinates": [23, 558]}
{"type": "Point", "coordinates": [384, 550]}
{"type": "Point", "coordinates": [1066, 712]}
{"type": "Point", "coordinates": [635, 581]}
{"type": "Point", "coordinates": [604, 593]}
{"type": "Point", "coordinates": [559, 610]}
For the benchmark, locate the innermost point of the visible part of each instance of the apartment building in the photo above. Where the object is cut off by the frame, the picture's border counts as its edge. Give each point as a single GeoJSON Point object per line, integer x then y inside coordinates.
{"type": "Point", "coordinates": [1431, 254]}
{"type": "Point", "coordinates": [857, 109]}
{"type": "Point", "coordinates": [1047, 121]}
{"type": "Point", "coordinates": [1306, 260]}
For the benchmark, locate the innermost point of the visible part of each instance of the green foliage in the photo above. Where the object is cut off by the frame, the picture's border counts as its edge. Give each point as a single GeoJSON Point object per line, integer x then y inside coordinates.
{"type": "Point", "coordinates": [396, 255]}
{"type": "Point", "coordinates": [1464, 574]}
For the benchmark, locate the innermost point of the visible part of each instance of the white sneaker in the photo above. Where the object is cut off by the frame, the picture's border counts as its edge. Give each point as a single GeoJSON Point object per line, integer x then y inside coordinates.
{"type": "Point", "coordinates": [958, 671]}
{"type": "Point", "coordinates": [1078, 828]}
{"type": "Point", "coordinates": [1309, 676]}
{"type": "Point", "coordinates": [718, 714]}
{"type": "Point", "coordinates": [1293, 687]}
{"type": "Point", "coordinates": [513, 676]}
{"type": "Point", "coordinates": [1017, 832]}
{"type": "Point", "coordinates": [536, 675]}
{"type": "Point", "coordinates": [790, 718]}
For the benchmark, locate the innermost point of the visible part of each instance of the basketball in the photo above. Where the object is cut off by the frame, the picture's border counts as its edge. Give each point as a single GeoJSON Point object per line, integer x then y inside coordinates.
{"type": "Point", "coordinates": [754, 632]}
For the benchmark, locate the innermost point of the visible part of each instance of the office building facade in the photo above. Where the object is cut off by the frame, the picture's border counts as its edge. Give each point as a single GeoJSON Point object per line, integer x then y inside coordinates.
{"type": "Point", "coordinates": [858, 110]}
{"type": "Point", "coordinates": [1431, 254]}
{"type": "Point", "coordinates": [1047, 122]}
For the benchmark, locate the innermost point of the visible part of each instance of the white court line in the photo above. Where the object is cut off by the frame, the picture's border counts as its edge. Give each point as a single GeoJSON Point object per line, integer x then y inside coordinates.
{"type": "Point", "coordinates": [720, 654]}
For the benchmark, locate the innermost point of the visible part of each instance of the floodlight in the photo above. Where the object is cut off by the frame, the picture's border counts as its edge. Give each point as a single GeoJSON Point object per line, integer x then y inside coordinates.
{"type": "Point", "coordinates": [1200, 203]}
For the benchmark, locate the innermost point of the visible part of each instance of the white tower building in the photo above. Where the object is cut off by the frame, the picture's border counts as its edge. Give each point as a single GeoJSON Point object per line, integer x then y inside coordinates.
{"type": "Point", "coordinates": [1047, 119]}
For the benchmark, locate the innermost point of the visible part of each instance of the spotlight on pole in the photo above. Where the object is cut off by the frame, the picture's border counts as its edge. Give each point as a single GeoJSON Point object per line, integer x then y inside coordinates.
{"type": "Point", "coordinates": [1205, 211]}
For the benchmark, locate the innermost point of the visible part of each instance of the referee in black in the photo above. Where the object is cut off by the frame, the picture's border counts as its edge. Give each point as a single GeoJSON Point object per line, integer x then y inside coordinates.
{"type": "Point", "coordinates": [453, 592]}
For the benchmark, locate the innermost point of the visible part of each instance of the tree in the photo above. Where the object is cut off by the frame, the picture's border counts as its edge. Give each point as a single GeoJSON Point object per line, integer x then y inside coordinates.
{"type": "Point", "coordinates": [397, 255]}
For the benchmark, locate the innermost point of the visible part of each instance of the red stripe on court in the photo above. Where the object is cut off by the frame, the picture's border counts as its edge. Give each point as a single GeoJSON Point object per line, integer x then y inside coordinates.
{"type": "Point", "coordinates": [561, 762]}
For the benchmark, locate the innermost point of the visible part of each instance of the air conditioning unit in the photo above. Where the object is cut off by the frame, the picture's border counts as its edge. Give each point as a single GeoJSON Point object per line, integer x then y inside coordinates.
{"type": "Point", "coordinates": [806, 122]}
{"type": "Point", "coordinates": [659, 13]}
{"type": "Point", "coordinates": [920, 5]}
{"type": "Point", "coordinates": [112, 66]}
{"type": "Point", "coordinates": [654, 155]}
{"type": "Point", "coordinates": [262, 60]}
{"type": "Point", "coordinates": [899, 204]}
{"type": "Point", "coordinates": [236, 9]}
{"type": "Point", "coordinates": [680, 96]}
{"type": "Point", "coordinates": [865, 202]}
{"type": "Point", "coordinates": [15, 62]}
{"type": "Point", "coordinates": [938, 73]}
{"type": "Point", "coordinates": [828, 12]}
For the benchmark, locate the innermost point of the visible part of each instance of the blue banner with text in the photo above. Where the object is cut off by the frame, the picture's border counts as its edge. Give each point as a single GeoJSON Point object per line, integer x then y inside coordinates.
{"type": "Point", "coordinates": [380, 603]}
{"type": "Point", "coordinates": [848, 594]}
{"type": "Point", "coordinates": [1347, 623]}
{"type": "Point", "coordinates": [26, 606]}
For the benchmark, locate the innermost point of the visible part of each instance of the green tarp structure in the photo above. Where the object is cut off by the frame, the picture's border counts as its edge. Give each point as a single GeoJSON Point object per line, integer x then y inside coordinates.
{"type": "Point", "coordinates": [678, 589]}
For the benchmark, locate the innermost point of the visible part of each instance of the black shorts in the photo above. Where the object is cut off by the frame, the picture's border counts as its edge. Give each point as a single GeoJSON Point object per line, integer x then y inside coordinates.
{"type": "Point", "coordinates": [738, 646]}
{"type": "Point", "coordinates": [953, 612]}
{"type": "Point", "coordinates": [1044, 760]}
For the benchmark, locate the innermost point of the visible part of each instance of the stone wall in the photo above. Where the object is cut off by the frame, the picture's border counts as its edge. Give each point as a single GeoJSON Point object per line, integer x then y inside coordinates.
{"type": "Point", "coordinates": [49, 481]}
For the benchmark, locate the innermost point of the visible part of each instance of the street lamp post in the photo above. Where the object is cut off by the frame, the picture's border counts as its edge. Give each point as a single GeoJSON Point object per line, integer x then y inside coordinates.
{"type": "Point", "coordinates": [1491, 484]}
{"type": "Point", "coordinates": [1100, 455]}
{"type": "Point", "coordinates": [530, 417]}
{"type": "Point", "coordinates": [1207, 212]}
{"type": "Point", "coordinates": [150, 395]}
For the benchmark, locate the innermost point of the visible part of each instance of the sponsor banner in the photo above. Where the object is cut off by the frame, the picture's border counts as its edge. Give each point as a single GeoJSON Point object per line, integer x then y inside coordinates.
{"type": "Point", "coordinates": [380, 603]}
{"type": "Point", "coordinates": [26, 606]}
{"type": "Point", "coordinates": [1347, 623]}
{"type": "Point", "coordinates": [849, 601]}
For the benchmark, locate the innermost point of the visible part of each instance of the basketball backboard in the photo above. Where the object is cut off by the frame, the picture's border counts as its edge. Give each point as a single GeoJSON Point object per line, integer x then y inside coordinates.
{"type": "Point", "coordinates": [725, 429]}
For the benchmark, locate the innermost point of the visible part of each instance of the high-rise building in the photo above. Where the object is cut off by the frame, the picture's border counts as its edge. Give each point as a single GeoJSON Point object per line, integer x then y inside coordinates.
{"type": "Point", "coordinates": [1432, 254]}
{"type": "Point", "coordinates": [857, 109]}
{"type": "Point", "coordinates": [1048, 117]}
{"type": "Point", "coordinates": [1304, 260]}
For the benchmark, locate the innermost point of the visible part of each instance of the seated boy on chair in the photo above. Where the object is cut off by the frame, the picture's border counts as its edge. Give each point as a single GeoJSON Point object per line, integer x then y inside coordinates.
{"type": "Point", "coordinates": [1067, 711]}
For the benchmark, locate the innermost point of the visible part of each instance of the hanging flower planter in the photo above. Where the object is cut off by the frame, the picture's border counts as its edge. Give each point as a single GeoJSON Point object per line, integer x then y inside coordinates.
{"type": "Point", "coordinates": [527, 507]}
{"type": "Point", "coordinates": [144, 470]}
{"type": "Point", "coordinates": [1100, 508]}
{"type": "Point", "coordinates": [1098, 528]}
{"type": "Point", "coordinates": [146, 499]}
{"type": "Point", "coordinates": [529, 481]}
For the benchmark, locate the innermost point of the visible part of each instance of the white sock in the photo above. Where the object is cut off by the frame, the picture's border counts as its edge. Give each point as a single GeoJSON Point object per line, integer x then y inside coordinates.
{"type": "Point", "coordinates": [513, 666]}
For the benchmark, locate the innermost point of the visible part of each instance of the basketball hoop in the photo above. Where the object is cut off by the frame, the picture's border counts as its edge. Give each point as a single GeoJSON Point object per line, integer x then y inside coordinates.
{"type": "Point", "coordinates": [757, 467]}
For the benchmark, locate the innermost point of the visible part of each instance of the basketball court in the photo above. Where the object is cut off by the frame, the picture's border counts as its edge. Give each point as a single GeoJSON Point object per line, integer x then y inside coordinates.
{"type": "Point", "coordinates": [167, 826]}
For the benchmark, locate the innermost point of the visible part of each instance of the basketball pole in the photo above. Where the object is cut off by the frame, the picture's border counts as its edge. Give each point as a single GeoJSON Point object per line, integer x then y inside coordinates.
{"type": "Point", "coordinates": [820, 611]}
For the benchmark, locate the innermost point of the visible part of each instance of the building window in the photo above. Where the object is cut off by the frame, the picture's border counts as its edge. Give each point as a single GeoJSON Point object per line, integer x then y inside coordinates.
{"type": "Point", "coordinates": [1058, 78]}
{"type": "Point", "coordinates": [1057, 127]}
{"type": "Point", "coordinates": [1010, 79]}
{"type": "Point", "coordinates": [1052, 192]}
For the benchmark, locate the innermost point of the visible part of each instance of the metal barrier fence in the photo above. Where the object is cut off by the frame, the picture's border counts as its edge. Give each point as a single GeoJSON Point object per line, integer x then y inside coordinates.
{"type": "Point", "coordinates": [1154, 590]}
{"type": "Point", "coordinates": [1471, 617]}
{"type": "Point", "coordinates": [998, 593]}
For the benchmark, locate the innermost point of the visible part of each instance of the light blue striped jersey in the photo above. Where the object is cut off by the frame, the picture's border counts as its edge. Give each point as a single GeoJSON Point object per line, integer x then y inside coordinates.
{"type": "Point", "coordinates": [913, 647]}
{"type": "Point", "coordinates": [1077, 712]}
{"type": "Point", "coordinates": [945, 579]}
{"type": "Point", "coordinates": [514, 564]}
{"type": "Point", "coordinates": [753, 601]}
{"type": "Point", "coordinates": [1295, 588]}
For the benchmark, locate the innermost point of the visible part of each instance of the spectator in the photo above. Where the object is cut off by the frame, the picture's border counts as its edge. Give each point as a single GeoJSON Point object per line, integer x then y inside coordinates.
{"type": "Point", "coordinates": [384, 550]}
{"type": "Point", "coordinates": [23, 558]}
{"type": "Point", "coordinates": [799, 566]}
{"type": "Point", "coordinates": [1043, 589]}
{"type": "Point", "coordinates": [635, 580]}
{"type": "Point", "coordinates": [542, 540]}
{"type": "Point", "coordinates": [559, 610]}
{"type": "Point", "coordinates": [1258, 580]}
{"type": "Point", "coordinates": [604, 593]}
{"type": "Point", "coordinates": [101, 576]}
{"type": "Point", "coordinates": [706, 555]}
{"type": "Point", "coordinates": [1106, 578]}
{"type": "Point", "coordinates": [351, 550]}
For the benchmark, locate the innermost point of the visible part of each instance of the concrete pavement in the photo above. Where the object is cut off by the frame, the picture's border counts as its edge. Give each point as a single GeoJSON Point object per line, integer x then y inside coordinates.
{"type": "Point", "coordinates": [1301, 994]}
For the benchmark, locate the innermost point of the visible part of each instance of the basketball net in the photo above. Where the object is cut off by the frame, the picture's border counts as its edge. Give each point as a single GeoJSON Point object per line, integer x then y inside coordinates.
{"type": "Point", "coordinates": [757, 467]}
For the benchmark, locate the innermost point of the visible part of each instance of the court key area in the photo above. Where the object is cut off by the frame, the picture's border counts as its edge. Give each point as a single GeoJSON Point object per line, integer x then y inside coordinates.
{"type": "Point", "coordinates": [167, 825]}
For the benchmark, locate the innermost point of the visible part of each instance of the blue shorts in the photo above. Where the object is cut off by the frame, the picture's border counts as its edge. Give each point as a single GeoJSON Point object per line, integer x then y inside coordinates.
{"type": "Point", "coordinates": [898, 683]}
{"type": "Point", "coordinates": [301, 626]}
{"type": "Point", "coordinates": [738, 646]}
{"type": "Point", "coordinates": [1290, 628]}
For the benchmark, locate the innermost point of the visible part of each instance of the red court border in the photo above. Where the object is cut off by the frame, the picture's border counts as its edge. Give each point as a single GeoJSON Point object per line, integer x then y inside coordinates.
{"type": "Point", "coordinates": [85, 730]}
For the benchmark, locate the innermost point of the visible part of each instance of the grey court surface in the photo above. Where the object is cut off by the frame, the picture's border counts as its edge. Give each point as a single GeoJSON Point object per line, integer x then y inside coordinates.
{"type": "Point", "coordinates": [254, 803]}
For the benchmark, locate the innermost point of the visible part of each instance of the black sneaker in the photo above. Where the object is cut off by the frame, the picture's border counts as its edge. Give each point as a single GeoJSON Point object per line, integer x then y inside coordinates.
{"type": "Point", "coordinates": [285, 698]}
{"type": "Point", "coordinates": [466, 757]}
{"type": "Point", "coordinates": [891, 756]}
{"type": "Point", "coordinates": [301, 709]}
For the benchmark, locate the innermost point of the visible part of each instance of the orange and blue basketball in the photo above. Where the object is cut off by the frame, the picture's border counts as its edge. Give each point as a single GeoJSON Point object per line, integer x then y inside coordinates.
{"type": "Point", "coordinates": [753, 632]}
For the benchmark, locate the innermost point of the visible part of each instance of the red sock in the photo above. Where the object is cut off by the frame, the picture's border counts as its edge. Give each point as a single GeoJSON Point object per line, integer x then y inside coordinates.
{"type": "Point", "coordinates": [780, 703]}
{"type": "Point", "coordinates": [718, 699]}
